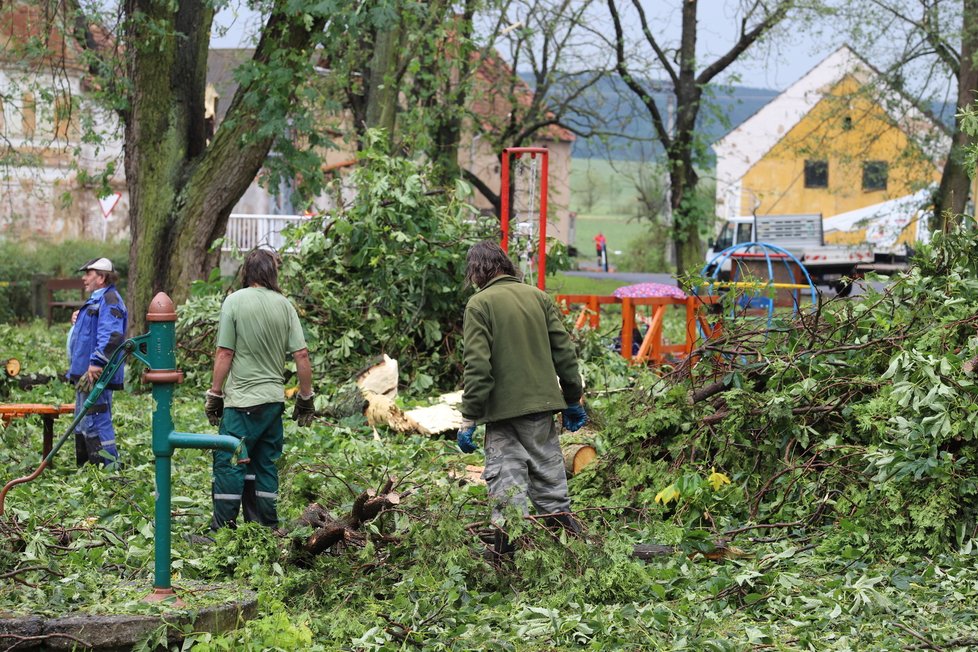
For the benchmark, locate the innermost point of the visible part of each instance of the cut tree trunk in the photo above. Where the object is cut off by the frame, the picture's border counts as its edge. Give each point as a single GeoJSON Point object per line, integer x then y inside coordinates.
{"type": "Point", "coordinates": [577, 456]}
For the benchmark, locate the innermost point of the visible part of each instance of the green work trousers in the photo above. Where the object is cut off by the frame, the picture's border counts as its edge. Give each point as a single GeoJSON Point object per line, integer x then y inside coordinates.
{"type": "Point", "coordinates": [253, 486]}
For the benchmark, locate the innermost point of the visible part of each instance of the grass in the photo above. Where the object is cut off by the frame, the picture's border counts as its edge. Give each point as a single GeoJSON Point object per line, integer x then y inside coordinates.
{"type": "Point", "coordinates": [605, 199]}
{"type": "Point", "coordinates": [608, 188]}
{"type": "Point", "coordinates": [563, 284]}
{"type": "Point", "coordinates": [619, 232]}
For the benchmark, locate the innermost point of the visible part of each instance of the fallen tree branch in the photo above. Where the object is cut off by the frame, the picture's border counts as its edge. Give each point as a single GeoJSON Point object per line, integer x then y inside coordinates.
{"type": "Point", "coordinates": [328, 531]}
{"type": "Point", "coordinates": [720, 416]}
{"type": "Point", "coordinates": [27, 569]}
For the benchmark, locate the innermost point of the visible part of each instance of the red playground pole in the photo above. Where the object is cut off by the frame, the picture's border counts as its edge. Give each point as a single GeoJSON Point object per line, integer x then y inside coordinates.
{"type": "Point", "coordinates": [516, 152]}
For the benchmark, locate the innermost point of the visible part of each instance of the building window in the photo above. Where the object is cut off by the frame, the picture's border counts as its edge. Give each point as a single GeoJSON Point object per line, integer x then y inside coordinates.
{"type": "Point", "coordinates": [875, 174]}
{"type": "Point", "coordinates": [64, 119]}
{"type": "Point", "coordinates": [816, 174]}
{"type": "Point", "coordinates": [28, 120]}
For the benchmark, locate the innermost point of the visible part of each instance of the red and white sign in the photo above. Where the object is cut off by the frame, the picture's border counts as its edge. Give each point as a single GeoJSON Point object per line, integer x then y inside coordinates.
{"type": "Point", "coordinates": [108, 202]}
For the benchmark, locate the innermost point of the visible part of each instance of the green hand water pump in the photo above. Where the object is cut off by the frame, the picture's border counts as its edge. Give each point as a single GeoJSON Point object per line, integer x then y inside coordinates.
{"type": "Point", "coordinates": [155, 349]}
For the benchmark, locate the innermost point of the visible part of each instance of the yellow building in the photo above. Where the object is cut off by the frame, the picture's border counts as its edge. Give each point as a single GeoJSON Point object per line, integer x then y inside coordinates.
{"type": "Point", "coordinates": [836, 141]}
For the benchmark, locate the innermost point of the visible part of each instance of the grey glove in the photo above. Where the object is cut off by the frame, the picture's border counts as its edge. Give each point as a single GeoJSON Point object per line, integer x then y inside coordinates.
{"type": "Point", "coordinates": [305, 409]}
{"type": "Point", "coordinates": [85, 383]}
{"type": "Point", "coordinates": [213, 407]}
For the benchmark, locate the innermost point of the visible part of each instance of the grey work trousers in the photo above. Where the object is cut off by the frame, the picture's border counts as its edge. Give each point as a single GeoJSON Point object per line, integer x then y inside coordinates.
{"type": "Point", "coordinates": [523, 458]}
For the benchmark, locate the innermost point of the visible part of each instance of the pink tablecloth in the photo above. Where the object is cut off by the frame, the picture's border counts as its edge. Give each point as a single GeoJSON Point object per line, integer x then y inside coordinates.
{"type": "Point", "coordinates": [649, 290]}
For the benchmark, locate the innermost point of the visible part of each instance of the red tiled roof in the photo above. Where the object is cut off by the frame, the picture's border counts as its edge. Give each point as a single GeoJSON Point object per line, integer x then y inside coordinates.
{"type": "Point", "coordinates": [29, 33]}
{"type": "Point", "coordinates": [493, 75]}
{"type": "Point", "coordinates": [33, 34]}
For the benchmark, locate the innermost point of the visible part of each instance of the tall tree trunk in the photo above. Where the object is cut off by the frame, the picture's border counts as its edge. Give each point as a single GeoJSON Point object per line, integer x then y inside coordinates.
{"type": "Point", "coordinates": [686, 221]}
{"type": "Point", "coordinates": [381, 109]}
{"type": "Point", "coordinates": [686, 217]}
{"type": "Point", "coordinates": [680, 144]}
{"type": "Point", "coordinates": [182, 193]}
{"type": "Point", "coordinates": [952, 196]}
{"type": "Point", "coordinates": [448, 127]}
{"type": "Point", "coordinates": [159, 134]}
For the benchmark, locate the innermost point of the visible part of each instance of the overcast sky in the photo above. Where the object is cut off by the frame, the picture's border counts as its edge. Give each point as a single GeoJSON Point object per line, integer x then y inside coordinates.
{"type": "Point", "coordinates": [775, 66]}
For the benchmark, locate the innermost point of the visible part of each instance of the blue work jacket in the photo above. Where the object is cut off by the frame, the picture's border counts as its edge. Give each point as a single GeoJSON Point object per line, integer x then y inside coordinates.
{"type": "Point", "coordinates": [99, 330]}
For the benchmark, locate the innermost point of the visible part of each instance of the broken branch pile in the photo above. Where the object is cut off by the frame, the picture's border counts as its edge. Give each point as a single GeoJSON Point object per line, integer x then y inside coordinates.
{"type": "Point", "coordinates": [328, 531]}
{"type": "Point", "coordinates": [859, 410]}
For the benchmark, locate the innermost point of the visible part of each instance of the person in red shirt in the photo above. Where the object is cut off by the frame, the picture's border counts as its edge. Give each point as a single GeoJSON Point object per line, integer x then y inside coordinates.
{"type": "Point", "coordinates": [601, 246]}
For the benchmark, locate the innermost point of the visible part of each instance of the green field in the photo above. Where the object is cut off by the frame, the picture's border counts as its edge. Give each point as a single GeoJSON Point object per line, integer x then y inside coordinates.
{"type": "Point", "coordinates": [605, 197]}
{"type": "Point", "coordinates": [563, 284]}
{"type": "Point", "coordinates": [618, 231]}
{"type": "Point", "coordinates": [607, 188]}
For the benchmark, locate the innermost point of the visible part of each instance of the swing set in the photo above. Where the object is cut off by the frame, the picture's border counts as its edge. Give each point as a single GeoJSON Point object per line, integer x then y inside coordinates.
{"type": "Point", "coordinates": [532, 175]}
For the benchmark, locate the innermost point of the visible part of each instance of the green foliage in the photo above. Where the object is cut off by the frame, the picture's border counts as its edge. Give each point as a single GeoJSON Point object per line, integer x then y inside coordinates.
{"type": "Point", "coordinates": [861, 408]}
{"type": "Point", "coordinates": [278, 630]}
{"type": "Point", "coordinates": [81, 540]}
{"type": "Point", "coordinates": [647, 252]}
{"type": "Point", "coordinates": [384, 275]}
{"type": "Point", "coordinates": [196, 327]}
{"type": "Point", "coordinates": [21, 262]}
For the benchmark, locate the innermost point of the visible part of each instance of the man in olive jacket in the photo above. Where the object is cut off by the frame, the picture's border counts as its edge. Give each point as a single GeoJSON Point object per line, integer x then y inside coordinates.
{"type": "Point", "coordinates": [520, 369]}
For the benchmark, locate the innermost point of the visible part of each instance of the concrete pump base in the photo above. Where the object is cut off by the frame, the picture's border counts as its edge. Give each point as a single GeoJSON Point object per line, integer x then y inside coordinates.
{"type": "Point", "coordinates": [112, 632]}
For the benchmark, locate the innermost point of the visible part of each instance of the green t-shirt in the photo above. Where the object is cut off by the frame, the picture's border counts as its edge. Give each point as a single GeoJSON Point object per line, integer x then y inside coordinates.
{"type": "Point", "coordinates": [261, 327]}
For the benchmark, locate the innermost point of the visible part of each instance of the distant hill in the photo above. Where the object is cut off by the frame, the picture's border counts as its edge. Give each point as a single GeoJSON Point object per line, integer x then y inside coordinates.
{"type": "Point", "coordinates": [725, 107]}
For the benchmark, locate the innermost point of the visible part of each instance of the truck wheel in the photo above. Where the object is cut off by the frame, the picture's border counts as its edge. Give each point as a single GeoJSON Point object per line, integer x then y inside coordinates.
{"type": "Point", "coordinates": [843, 287]}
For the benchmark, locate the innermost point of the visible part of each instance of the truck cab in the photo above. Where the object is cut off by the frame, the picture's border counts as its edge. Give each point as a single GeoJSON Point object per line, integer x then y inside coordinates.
{"type": "Point", "coordinates": [734, 231]}
{"type": "Point", "coordinates": [801, 236]}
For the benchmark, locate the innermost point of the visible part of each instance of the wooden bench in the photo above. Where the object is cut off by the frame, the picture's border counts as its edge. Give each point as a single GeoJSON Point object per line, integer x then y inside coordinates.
{"type": "Point", "coordinates": [55, 285]}
{"type": "Point", "coordinates": [48, 414]}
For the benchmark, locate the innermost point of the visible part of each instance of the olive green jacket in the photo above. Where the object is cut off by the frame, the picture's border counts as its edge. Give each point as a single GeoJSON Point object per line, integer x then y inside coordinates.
{"type": "Point", "coordinates": [518, 357]}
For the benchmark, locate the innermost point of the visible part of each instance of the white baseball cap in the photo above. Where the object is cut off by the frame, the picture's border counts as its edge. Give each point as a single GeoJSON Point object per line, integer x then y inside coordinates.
{"type": "Point", "coordinates": [98, 264]}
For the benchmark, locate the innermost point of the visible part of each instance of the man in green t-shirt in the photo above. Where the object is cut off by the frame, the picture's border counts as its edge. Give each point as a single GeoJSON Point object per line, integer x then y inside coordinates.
{"type": "Point", "coordinates": [258, 328]}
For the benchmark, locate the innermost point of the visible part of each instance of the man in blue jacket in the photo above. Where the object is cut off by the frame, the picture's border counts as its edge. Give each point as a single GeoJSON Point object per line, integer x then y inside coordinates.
{"type": "Point", "coordinates": [99, 328]}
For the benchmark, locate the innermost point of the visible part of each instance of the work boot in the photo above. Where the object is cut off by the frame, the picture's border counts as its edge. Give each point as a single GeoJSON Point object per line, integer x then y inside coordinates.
{"type": "Point", "coordinates": [565, 521]}
{"type": "Point", "coordinates": [93, 446]}
{"type": "Point", "coordinates": [501, 551]}
{"type": "Point", "coordinates": [81, 452]}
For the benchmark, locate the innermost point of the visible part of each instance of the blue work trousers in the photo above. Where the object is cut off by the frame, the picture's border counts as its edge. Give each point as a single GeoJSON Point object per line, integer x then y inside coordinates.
{"type": "Point", "coordinates": [94, 434]}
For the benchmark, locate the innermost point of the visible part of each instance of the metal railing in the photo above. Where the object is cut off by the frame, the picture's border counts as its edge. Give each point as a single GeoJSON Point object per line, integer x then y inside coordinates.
{"type": "Point", "coordinates": [245, 232]}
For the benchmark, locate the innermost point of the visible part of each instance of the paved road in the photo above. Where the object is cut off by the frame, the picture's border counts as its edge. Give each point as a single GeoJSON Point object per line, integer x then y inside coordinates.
{"type": "Point", "coordinates": [627, 277]}
{"type": "Point", "coordinates": [641, 277]}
